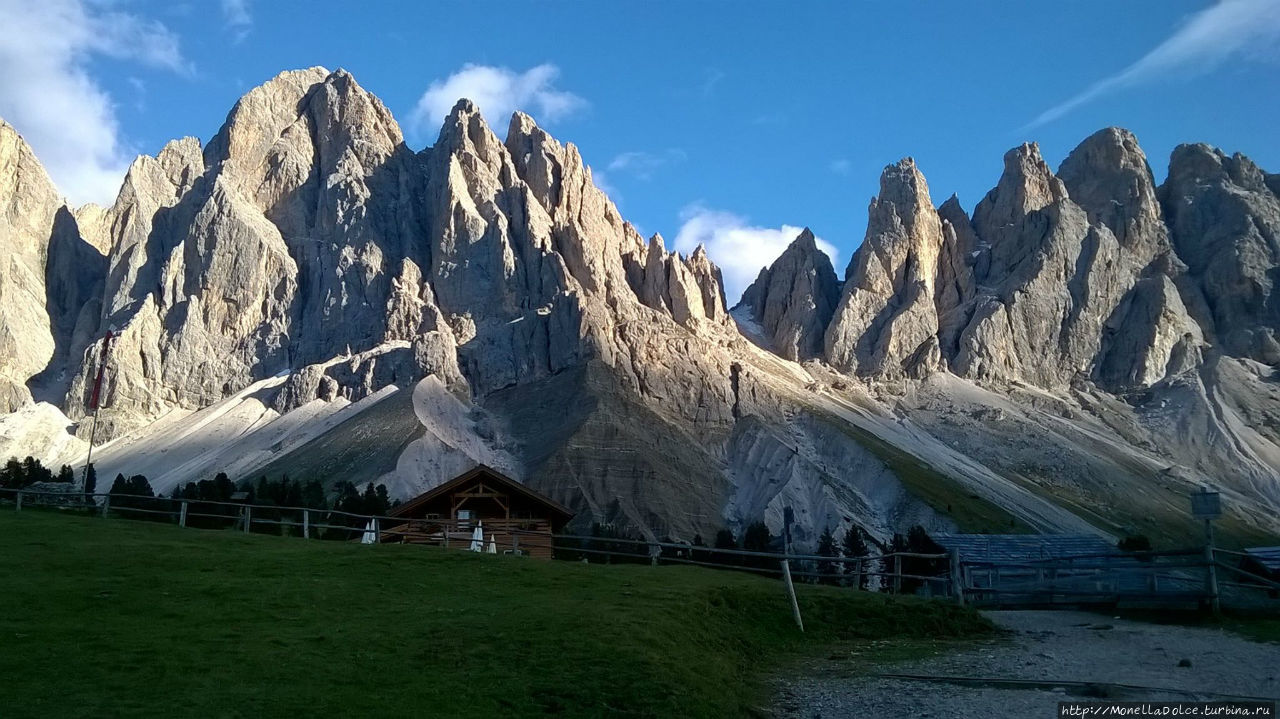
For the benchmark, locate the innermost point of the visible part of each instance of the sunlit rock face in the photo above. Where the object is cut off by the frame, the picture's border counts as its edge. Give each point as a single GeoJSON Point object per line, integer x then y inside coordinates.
{"type": "Point", "coordinates": [306, 294]}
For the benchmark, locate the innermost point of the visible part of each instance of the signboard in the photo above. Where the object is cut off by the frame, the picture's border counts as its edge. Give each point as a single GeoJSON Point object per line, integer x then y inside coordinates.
{"type": "Point", "coordinates": [1206, 504]}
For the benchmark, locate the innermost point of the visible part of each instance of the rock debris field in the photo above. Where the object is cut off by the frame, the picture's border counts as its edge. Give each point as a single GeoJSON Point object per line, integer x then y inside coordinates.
{"type": "Point", "coordinates": [1121, 659]}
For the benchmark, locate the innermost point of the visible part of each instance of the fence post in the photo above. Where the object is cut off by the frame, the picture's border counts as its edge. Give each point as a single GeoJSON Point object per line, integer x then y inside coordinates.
{"type": "Point", "coordinates": [182, 514]}
{"type": "Point", "coordinates": [306, 524]}
{"type": "Point", "coordinates": [18, 506]}
{"type": "Point", "coordinates": [377, 531]}
{"type": "Point", "coordinates": [248, 518]}
{"type": "Point", "coordinates": [106, 505]}
{"type": "Point", "coordinates": [791, 594]}
{"type": "Point", "coordinates": [957, 582]}
{"type": "Point", "coordinates": [1211, 571]}
{"type": "Point", "coordinates": [897, 574]}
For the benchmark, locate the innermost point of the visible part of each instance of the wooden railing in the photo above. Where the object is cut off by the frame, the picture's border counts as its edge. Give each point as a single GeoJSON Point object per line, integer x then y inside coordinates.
{"type": "Point", "coordinates": [1183, 575]}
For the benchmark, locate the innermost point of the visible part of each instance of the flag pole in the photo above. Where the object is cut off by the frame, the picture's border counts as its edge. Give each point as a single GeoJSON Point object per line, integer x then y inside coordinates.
{"type": "Point", "coordinates": [93, 403]}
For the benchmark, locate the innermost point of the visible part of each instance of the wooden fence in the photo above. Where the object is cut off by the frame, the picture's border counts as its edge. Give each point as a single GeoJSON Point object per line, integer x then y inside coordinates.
{"type": "Point", "coordinates": [1206, 576]}
{"type": "Point", "coordinates": [889, 572]}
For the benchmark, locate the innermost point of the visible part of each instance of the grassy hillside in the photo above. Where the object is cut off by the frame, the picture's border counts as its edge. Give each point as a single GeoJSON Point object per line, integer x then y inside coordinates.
{"type": "Point", "coordinates": [122, 618]}
{"type": "Point", "coordinates": [970, 512]}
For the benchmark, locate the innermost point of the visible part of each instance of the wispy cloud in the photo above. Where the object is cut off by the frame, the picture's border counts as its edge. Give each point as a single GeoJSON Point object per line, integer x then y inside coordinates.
{"type": "Point", "coordinates": [712, 79]}
{"type": "Point", "coordinates": [738, 247]}
{"type": "Point", "coordinates": [498, 92]}
{"type": "Point", "coordinates": [238, 19]}
{"type": "Point", "coordinates": [46, 91]}
{"type": "Point", "coordinates": [642, 165]}
{"type": "Point", "coordinates": [1230, 30]}
{"type": "Point", "coordinates": [840, 166]}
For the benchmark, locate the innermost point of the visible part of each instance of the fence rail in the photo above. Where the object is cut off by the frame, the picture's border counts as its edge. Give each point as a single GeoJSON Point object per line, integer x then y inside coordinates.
{"type": "Point", "coordinates": [887, 572]}
{"type": "Point", "coordinates": [1178, 576]}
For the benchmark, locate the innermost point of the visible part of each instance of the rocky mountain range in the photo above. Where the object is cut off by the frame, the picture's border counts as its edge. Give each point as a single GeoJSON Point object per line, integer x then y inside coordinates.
{"type": "Point", "coordinates": [305, 294]}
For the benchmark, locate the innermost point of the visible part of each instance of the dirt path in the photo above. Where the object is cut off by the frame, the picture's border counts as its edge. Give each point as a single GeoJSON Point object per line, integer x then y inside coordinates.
{"type": "Point", "coordinates": [1048, 647]}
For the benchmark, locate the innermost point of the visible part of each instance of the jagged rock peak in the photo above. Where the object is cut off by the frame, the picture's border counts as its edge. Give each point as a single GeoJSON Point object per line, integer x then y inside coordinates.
{"type": "Point", "coordinates": [258, 117]}
{"type": "Point", "coordinates": [465, 129]}
{"type": "Point", "coordinates": [794, 298]}
{"type": "Point", "coordinates": [538, 157]}
{"type": "Point", "coordinates": [1109, 177]}
{"type": "Point", "coordinates": [1225, 223]}
{"type": "Point", "coordinates": [1027, 183]}
{"type": "Point", "coordinates": [1209, 163]}
{"type": "Point", "coordinates": [886, 323]}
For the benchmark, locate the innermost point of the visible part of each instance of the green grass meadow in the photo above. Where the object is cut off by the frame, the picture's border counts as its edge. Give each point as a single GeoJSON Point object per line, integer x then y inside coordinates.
{"type": "Point", "coordinates": [110, 617]}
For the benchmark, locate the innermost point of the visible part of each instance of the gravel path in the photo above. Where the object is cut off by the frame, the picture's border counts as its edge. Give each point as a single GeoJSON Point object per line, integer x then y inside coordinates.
{"type": "Point", "coordinates": [1046, 646]}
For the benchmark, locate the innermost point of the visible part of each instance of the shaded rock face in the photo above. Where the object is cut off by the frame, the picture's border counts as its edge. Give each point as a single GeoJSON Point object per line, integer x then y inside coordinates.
{"type": "Point", "coordinates": [794, 298]}
{"type": "Point", "coordinates": [28, 202]}
{"type": "Point", "coordinates": [1224, 219]}
{"type": "Point", "coordinates": [50, 279]}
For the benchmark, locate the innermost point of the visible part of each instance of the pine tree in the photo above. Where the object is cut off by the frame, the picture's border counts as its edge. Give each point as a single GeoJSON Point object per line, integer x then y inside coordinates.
{"type": "Point", "coordinates": [11, 477]}
{"type": "Point", "coordinates": [90, 479]}
{"type": "Point", "coordinates": [724, 540]}
{"type": "Point", "coordinates": [827, 548]}
{"type": "Point", "coordinates": [855, 547]}
{"type": "Point", "coordinates": [66, 474]}
{"type": "Point", "coordinates": [757, 538]}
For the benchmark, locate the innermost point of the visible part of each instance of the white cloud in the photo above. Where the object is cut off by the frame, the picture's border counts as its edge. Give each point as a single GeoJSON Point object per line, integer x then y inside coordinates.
{"type": "Point", "coordinates": [1229, 30]}
{"type": "Point", "coordinates": [236, 15]}
{"type": "Point", "coordinates": [840, 166]}
{"type": "Point", "coordinates": [642, 165]}
{"type": "Point", "coordinates": [739, 248]}
{"type": "Point", "coordinates": [47, 94]}
{"type": "Point", "coordinates": [498, 92]}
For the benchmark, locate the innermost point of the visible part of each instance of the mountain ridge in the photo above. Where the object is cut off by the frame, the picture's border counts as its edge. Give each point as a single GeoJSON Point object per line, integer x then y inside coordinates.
{"type": "Point", "coordinates": [274, 288]}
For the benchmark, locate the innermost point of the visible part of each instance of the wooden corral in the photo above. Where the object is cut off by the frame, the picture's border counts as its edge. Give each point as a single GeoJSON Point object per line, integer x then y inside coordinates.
{"type": "Point", "coordinates": [513, 518]}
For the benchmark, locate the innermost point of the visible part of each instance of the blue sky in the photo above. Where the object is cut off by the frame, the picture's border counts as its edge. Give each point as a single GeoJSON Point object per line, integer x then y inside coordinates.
{"type": "Point", "coordinates": [732, 123]}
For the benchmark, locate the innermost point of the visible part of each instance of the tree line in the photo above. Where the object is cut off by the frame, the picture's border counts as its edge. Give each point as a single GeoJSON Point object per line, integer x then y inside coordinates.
{"type": "Point", "coordinates": [20, 474]}
{"type": "Point", "coordinates": [609, 544]}
{"type": "Point", "coordinates": [218, 503]}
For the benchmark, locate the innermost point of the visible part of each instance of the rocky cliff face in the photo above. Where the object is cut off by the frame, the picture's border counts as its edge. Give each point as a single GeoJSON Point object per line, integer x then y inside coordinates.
{"type": "Point", "coordinates": [793, 299]}
{"type": "Point", "coordinates": [887, 321]}
{"type": "Point", "coordinates": [1089, 284]}
{"type": "Point", "coordinates": [1224, 219]}
{"type": "Point", "coordinates": [307, 294]}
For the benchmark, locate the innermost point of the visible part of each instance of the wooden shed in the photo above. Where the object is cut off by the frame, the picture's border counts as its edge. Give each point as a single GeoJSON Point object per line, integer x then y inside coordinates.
{"type": "Point", "coordinates": [512, 518]}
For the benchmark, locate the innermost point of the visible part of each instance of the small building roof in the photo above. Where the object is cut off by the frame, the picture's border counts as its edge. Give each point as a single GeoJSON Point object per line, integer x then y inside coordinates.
{"type": "Point", "coordinates": [488, 473]}
{"type": "Point", "coordinates": [1268, 557]}
{"type": "Point", "coordinates": [1022, 547]}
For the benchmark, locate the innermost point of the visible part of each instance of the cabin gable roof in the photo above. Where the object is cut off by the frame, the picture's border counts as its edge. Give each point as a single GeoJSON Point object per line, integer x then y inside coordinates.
{"type": "Point", "coordinates": [487, 473]}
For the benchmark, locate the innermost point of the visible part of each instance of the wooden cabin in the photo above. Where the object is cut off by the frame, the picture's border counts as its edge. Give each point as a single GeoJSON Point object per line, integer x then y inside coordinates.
{"type": "Point", "coordinates": [513, 518]}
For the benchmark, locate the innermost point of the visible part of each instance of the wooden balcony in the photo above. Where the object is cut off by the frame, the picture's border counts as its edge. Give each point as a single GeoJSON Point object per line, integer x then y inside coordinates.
{"type": "Point", "coordinates": [530, 537]}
